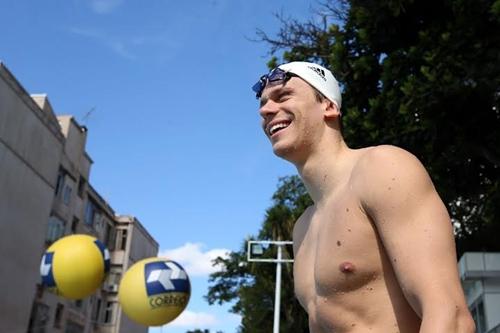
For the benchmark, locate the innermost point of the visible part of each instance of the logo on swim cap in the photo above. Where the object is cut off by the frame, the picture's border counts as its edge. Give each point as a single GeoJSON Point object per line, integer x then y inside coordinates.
{"type": "Point", "coordinates": [317, 76]}
{"type": "Point", "coordinates": [318, 71]}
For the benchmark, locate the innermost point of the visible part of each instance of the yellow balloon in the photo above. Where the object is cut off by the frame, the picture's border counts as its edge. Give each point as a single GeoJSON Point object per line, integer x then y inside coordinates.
{"type": "Point", "coordinates": [154, 291]}
{"type": "Point", "coordinates": [75, 266]}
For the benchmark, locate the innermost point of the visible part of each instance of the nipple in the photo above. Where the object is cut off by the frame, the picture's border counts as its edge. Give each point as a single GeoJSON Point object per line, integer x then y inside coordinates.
{"type": "Point", "coordinates": [347, 267]}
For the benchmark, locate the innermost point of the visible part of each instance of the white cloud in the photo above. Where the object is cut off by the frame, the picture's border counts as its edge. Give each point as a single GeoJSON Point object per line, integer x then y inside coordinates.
{"type": "Point", "coordinates": [104, 6]}
{"type": "Point", "coordinates": [194, 319]}
{"type": "Point", "coordinates": [194, 260]}
{"type": "Point", "coordinates": [199, 320]}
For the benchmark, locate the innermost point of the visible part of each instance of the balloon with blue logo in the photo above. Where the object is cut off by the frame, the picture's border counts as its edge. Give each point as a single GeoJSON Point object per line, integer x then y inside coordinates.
{"type": "Point", "coordinates": [154, 291]}
{"type": "Point", "coordinates": [75, 266]}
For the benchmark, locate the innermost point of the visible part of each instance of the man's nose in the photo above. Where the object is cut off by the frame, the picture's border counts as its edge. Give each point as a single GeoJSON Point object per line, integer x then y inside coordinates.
{"type": "Point", "coordinates": [268, 109]}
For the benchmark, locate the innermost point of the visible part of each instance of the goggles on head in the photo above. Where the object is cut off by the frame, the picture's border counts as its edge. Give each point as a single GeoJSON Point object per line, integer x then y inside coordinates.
{"type": "Point", "coordinates": [274, 76]}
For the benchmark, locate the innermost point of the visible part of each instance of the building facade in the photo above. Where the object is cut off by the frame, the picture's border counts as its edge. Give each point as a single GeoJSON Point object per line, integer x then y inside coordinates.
{"type": "Point", "coordinates": [132, 244]}
{"type": "Point", "coordinates": [31, 146]}
{"type": "Point", "coordinates": [45, 194]}
{"type": "Point", "coordinates": [480, 275]}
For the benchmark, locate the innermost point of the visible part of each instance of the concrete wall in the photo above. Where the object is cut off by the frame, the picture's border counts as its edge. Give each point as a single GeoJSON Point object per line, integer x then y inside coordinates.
{"type": "Point", "coordinates": [74, 149]}
{"type": "Point", "coordinates": [142, 246]}
{"type": "Point", "coordinates": [30, 151]}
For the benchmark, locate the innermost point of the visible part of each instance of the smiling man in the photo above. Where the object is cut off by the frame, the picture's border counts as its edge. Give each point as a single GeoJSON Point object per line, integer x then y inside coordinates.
{"type": "Point", "coordinates": [375, 253]}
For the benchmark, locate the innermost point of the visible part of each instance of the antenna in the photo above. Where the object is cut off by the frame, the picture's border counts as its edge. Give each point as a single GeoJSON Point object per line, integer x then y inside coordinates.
{"type": "Point", "coordinates": [87, 115]}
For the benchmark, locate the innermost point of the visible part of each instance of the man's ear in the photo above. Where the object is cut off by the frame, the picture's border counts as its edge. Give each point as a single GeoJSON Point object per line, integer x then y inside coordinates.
{"type": "Point", "coordinates": [331, 110]}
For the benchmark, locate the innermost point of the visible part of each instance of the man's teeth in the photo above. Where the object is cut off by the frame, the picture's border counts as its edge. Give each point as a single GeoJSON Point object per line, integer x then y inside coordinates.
{"type": "Point", "coordinates": [277, 127]}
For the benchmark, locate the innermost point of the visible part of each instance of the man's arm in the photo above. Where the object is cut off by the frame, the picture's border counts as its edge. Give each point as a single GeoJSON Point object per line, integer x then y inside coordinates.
{"type": "Point", "coordinates": [415, 228]}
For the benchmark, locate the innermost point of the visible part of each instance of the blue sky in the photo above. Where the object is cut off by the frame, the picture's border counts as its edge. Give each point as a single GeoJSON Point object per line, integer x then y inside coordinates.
{"type": "Point", "coordinates": [174, 130]}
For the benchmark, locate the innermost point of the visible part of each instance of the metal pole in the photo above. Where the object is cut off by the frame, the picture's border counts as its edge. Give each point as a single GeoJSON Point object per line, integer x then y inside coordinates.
{"type": "Point", "coordinates": [277, 296]}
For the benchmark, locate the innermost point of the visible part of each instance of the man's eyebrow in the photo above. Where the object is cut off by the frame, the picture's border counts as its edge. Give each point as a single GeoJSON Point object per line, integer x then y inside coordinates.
{"type": "Point", "coordinates": [263, 100]}
{"type": "Point", "coordinates": [275, 94]}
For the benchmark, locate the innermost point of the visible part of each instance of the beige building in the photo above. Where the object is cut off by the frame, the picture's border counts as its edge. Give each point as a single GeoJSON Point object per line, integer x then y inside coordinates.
{"type": "Point", "coordinates": [44, 195]}
{"type": "Point", "coordinates": [31, 145]}
{"type": "Point", "coordinates": [132, 244]}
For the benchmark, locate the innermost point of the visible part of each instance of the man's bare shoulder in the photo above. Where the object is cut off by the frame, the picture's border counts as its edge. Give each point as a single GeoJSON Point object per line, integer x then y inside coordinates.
{"type": "Point", "coordinates": [382, 163]}
{"type": "Point", "coordinates": [388, 174]}
{"type": "Point", "coordinates": [388, 171]}
{"type": "Point", "coordinates": [383, 154]}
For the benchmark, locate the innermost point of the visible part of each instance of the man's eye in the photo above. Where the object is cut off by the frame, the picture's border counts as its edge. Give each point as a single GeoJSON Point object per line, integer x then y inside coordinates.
{"type": "Point", "coordinates": [284, 97]}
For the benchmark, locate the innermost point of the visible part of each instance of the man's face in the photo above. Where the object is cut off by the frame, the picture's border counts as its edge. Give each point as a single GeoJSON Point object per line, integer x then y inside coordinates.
{"type": "Point", "coordinates": [290, 115]}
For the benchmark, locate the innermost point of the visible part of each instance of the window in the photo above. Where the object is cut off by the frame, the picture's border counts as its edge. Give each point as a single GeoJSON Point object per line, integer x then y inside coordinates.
{"type": "Point", "coordinates": [480, 316]}
{"type": "Point", "coordinates": [79, 304]}
{"type": "Point", "coordinates": [98, 221]}
{"type": "Point", "coordinates": [121, 239]}
{"type": "Point", "coordinates": [109, 312]}
{"type": "Point", "coordinates": [81, 186]}
{"type": "Point", "coordinates": [477, 311]}
{"type": "Point", "coordinates": [110, 237]}
{"type": "Point", "coordinates": [90, 213]}
{"type": "Point", "coordinates": [55, 229]}
{"type": "Point", "coordinates": [60, 181]}
{"type": "Point", "coordinates": [67, 194]}
{"type": "Point", "coordinates": [58, 316]}
{"type": "Point", "coordinates": [74, 224]}
{"type": "Point", "coordinates": [39, 318]}
{"type": "Point", "coordinates": [96, 310]}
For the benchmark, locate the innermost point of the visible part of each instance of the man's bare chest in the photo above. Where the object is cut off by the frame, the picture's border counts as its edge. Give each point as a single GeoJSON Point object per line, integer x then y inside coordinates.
{"type": "Point", "coordinates": [338, 251]}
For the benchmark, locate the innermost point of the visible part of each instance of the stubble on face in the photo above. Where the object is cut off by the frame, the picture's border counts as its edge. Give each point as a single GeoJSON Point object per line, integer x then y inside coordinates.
{"type": "Point", "coordinates": [288, 113]}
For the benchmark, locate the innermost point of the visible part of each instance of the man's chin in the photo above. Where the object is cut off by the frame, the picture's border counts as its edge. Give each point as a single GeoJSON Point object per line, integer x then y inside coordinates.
{"type": "Point", "coordinates": [283, 152]}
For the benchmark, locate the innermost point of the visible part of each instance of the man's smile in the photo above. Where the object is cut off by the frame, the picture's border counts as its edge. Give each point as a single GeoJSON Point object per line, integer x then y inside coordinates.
{"type": "Point", "coordinates": [276, 126]}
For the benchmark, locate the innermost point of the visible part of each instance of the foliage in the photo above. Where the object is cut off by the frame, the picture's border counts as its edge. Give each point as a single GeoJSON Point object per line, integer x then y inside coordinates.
{"type": "Point", "coordinates": [423, 76]}
{"type": "Point", "coordinates": [417, 74]}
{"type": "Point", "coordinates": [252, 285]}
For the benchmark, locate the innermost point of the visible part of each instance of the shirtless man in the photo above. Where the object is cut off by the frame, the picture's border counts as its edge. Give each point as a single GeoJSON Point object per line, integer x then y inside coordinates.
{"type": "Point", "coordinates": [375, 253]}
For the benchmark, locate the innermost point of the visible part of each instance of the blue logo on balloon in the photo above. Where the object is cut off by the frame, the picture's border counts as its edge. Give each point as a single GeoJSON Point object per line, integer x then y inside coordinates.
{"type": "Point", "coordinates": [165, 277]}
{"type": "Point", "coordinates": [46, 270]}
{"type": "Point", "coordinates": [105, 255]}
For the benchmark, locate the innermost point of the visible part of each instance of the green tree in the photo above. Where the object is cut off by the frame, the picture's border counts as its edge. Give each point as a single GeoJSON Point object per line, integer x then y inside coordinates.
{"type": "Point", "coordinates": [251, 286]}
{"type": "Point", "coordinates": [423, 76]}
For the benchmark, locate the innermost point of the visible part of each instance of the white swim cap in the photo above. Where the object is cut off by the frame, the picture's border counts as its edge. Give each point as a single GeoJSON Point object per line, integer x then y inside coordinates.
{"type": "Point", "coordinates": [317, 76]}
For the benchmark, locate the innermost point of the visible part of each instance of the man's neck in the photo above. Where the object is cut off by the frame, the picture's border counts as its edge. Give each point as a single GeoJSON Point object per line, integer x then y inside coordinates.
{"type": "Point", "coordinates": [326, 169]}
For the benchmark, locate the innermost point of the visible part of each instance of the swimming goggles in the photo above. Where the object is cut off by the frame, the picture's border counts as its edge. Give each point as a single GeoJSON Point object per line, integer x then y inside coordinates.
{"type": "Point", "coordinates": [276, 75]}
